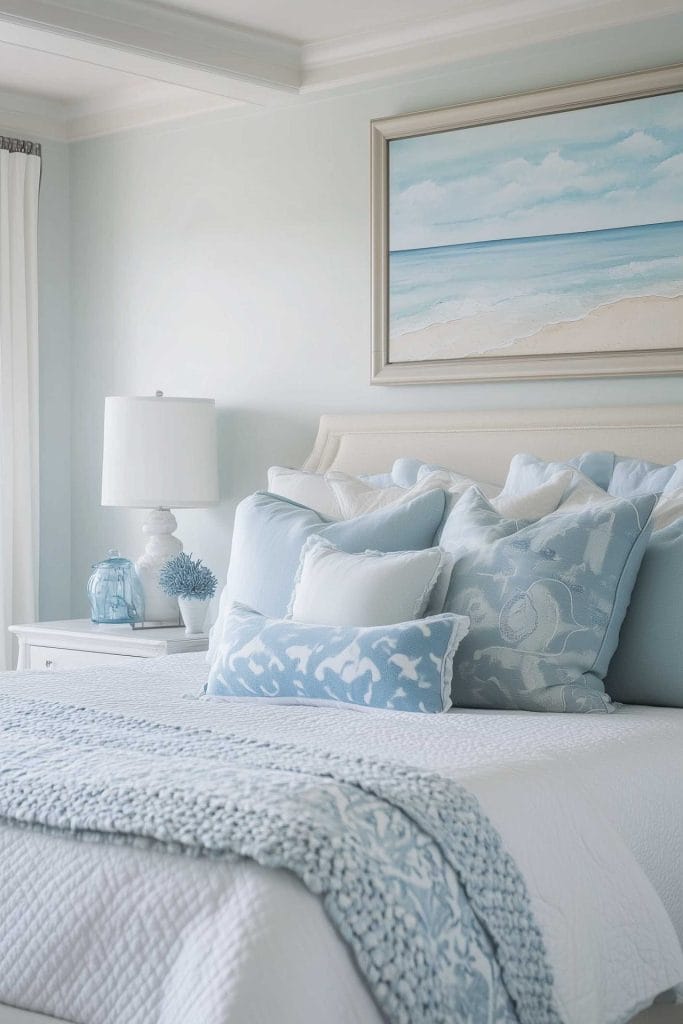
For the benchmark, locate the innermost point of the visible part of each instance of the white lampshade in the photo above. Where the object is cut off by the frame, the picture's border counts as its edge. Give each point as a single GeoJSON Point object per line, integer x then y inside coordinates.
{"type": "Point", "coordinates": [159, 453]}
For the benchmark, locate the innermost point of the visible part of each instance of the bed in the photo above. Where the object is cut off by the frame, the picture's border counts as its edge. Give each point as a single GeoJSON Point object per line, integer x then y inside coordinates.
{"type": "Point", "coordinates": [131, 934]}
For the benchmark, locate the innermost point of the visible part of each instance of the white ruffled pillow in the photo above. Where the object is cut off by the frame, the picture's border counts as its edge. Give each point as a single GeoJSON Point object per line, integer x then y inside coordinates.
{"type": "Point", "coordinates": [371, 588]}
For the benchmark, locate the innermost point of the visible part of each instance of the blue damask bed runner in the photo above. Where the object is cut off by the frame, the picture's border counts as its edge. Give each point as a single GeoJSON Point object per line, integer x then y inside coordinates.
{"type": "Point", "coordinates": [410, 871]}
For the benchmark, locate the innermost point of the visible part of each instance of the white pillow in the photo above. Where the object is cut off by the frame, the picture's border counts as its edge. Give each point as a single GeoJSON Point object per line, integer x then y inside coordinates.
{"type": "Point", "coordinates": [309, 489]}
{"type": "Point", "coordinates": [314, 490]}
{"type": "Point", "coordinates": [548, 485]}
{"type": "Point", "coordinates": [356, 498]}
{"type": "Point", "coordinates": [450, 479]}
{"type": "Point", "coordinates": [335, 588]}
{"type": "Point", "coordinates": [538, 501]}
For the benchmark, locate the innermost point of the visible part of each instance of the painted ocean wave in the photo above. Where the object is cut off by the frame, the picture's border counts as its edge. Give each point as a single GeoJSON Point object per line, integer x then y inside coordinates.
{"type": "Point", "coordinates": [526, 284]}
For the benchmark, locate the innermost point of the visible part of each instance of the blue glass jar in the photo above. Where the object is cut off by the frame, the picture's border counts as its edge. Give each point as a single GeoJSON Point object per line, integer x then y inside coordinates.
{"type": "Point", "coordinates": [115, 592]}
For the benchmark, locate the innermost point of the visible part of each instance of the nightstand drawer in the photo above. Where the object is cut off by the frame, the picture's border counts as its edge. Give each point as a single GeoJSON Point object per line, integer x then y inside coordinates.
{"type": "Point", "coordinates": [75, 643]}
{"type": "Point", "coordinates": [55, 658]}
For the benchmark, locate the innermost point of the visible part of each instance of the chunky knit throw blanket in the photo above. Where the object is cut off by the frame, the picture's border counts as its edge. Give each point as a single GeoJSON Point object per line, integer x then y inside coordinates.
{"type": "Point", "coordinates": [410, 871]}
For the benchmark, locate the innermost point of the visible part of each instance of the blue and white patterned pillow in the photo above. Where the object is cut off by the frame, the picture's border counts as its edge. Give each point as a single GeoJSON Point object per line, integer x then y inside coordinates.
{"type": "Point", "coordinates": [404, 667]}
{"type": "Point", "coordinates": [546, 600]}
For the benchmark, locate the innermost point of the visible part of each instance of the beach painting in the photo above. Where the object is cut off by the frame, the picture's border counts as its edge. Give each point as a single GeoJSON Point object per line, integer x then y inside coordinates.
{"type": "Point", "coordinates": [548, 236]}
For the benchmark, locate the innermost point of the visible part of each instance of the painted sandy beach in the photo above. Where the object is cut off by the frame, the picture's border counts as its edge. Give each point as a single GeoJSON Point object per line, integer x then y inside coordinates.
{"type": "Point", "coordinates": [613, 290]}
{"type": "Point", "coordinates": [625, 325]}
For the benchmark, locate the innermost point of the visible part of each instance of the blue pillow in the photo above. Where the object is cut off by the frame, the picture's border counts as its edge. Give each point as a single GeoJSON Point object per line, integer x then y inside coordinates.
{"type": "Point", "coordinates": [638, 476]}
{"type": "Point", "coordinates": [597, 466]}
{"type": "Point", "coordinates": [648, 665]}
{"type": "Point", "coordinates": [405, 667]}
{"type": "Point", "coordinates": [545, 599]}
{"type": "Point", "coordinates": [270, 532]}
{"type": "Point", "coordinates": [404, 472]}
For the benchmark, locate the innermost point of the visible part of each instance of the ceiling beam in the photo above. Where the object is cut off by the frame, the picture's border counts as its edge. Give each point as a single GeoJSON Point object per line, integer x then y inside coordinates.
{"type": "Point", "coordinates": [158, 43]}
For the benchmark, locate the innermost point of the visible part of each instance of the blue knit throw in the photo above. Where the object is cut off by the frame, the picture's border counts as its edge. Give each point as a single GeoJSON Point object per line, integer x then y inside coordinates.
{"type": "Point", "coordinates": [409, 869]}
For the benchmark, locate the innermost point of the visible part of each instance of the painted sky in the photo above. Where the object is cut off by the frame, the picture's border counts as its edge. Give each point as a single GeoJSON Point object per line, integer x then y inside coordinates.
{"type": "Point", "coordinates": [602, 167]}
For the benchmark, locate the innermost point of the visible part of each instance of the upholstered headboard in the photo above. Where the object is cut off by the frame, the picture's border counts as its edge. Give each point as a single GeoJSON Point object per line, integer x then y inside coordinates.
{"type": "Point", "coordinates": [481, 444]}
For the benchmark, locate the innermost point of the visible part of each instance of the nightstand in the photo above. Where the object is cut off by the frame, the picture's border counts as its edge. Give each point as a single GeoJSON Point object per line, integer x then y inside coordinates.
{"type": "Point", "coordinates": [75, 643]}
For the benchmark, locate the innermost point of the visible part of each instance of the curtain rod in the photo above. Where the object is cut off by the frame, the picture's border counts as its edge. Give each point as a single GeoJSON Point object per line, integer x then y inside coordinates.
{"type": "Point", "coordinates": [19, 146]}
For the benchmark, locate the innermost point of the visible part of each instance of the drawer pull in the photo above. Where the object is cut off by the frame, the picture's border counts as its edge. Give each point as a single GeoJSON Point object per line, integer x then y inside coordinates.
{"type": "Point", "coordinates": [49, 663]}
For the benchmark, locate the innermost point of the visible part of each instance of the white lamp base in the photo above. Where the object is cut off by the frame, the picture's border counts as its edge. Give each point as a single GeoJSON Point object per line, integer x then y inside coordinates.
{"type": "Point", "coordinates": [161, 545]}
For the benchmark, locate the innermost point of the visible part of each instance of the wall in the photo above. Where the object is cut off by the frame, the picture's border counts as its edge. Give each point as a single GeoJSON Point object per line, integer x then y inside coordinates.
{"type": "Point", "coordinates": [55, 383]}
{"type": "Point", "coordinates": [230, 258]}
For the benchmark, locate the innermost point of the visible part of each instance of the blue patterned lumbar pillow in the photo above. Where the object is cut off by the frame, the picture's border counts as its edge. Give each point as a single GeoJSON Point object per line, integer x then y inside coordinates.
{"type": "Point", "coordinates": [546, 600]}
{"type": "Point", "coordinates": [404, 667]}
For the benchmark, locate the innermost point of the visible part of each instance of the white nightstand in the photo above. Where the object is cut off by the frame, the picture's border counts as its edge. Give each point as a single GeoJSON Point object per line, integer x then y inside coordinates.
{"type": "Point", "coordinates": [78, 642]}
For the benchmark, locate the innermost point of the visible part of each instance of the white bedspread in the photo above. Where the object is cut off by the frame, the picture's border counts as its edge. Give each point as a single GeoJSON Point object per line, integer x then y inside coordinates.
{"type": "Point", "coordinates": [591, 808]}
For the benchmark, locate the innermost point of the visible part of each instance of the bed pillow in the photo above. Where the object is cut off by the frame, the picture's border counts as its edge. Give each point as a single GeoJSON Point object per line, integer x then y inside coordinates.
{"type": "Point", "coordinates": [377, 479]}
{"type": "Point", "coordinates": [638, 476]}
{"type": "Point", "coordinates": [527, 473]}
{"type": "Point", "coordinates": [370, 588]}
{"type": "Point", "coordinates": [354, 497]}
{"type": "Point", "coordinates": [597, 466]}
{"type": "Point", "coordinates": [545, 599]}
{"type": "Point", "coordinates": [403, 667]}
{"type": "Point", "coordinates": [359, 494]}
{"type": "Point", "coordinates": [270, 532]}
{"type": "Point", "coordinates": [455, 479]}
{"type": "Point", "coordinates": [648, 665]}
{"type": "Point", "coordinates": [309, 489]}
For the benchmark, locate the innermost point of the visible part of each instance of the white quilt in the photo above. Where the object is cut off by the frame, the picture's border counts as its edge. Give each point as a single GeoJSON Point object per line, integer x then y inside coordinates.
{"type": "Point", "coordinates": [590, 807]}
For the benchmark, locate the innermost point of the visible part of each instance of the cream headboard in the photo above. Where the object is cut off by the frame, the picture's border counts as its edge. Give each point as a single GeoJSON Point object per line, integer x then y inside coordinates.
{"type": "Point", "coordinates": [481, 444]}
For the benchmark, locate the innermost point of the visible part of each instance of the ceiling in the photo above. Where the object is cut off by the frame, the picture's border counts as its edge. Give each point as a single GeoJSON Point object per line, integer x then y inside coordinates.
{"type": "Point", "coordinates": [308, 21]}
{"type": "Point", "coordinates": [72, 69]}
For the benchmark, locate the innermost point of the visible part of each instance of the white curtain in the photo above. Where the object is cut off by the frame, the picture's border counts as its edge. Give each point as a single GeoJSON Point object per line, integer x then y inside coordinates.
{"type": "Point", "coordinates": [19, 185]}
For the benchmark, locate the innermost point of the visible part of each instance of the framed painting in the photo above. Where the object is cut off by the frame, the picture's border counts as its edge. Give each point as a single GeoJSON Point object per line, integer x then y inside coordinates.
{"type": "Point", "coordinates": [531, 236]}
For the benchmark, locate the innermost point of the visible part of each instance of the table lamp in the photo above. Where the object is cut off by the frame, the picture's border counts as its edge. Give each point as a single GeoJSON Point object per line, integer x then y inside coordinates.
{"type": "Point", "coordinates": [159, 453]}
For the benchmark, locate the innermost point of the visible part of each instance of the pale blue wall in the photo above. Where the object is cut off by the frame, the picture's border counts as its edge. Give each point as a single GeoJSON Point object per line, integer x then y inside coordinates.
{"type": "Point", "coordinates": [229, 257]}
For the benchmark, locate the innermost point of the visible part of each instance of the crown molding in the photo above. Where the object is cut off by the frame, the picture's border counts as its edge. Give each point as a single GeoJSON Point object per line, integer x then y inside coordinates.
{"type": "Point", "coordinates": [226, 68]}
{"type": "Point", "coordinates": [479, 28]}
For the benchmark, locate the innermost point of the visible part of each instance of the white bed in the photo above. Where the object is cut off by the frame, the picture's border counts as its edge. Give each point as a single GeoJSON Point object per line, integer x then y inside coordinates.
{"type": "Point", "coordinates": [585, 804]}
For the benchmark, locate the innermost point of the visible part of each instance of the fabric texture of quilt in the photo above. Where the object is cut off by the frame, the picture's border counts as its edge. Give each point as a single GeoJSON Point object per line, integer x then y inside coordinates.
{"type": "Point", "coordinates": [102, 932]}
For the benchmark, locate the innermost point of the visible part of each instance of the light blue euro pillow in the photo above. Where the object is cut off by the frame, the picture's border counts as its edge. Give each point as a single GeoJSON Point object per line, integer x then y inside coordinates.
{"type": "Point", "coordinates": [638, 476]}
{"type": "Point", "coordinates": [648, 665]}
{"type": "Point", "coordinates": [624, 476]}
{"type": "Point", "coordinates": [270, 532]}
{"type": "Point", "coordinates": [403, 474]}
{"type": "Point", "coordinates": [545, 599]}
{"type": "Point", "coordinates": [404, 667]}
{"type": "Point", "coordinates": [597, 466]}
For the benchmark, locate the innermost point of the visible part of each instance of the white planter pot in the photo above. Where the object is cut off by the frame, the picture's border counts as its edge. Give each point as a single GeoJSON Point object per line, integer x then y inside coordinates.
{"type": "Point", "coordinates": [193, 611]}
